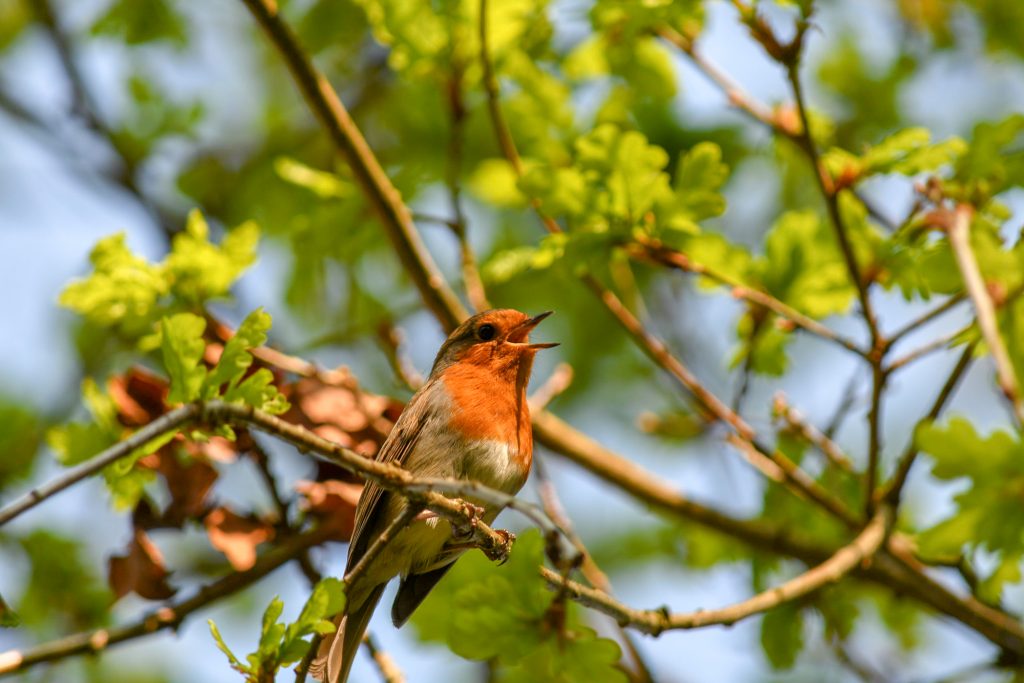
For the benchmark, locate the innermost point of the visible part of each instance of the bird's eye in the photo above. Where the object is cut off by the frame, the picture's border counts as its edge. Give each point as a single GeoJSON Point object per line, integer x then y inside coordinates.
{"type": "Point", "coordinates": [486, 332]}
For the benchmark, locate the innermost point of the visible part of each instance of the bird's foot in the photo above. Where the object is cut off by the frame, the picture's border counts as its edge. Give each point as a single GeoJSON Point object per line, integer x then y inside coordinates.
{"type": "Point", "coordinates": [464, 531]}
{"type": "Point", "coordinates": [500, 551]}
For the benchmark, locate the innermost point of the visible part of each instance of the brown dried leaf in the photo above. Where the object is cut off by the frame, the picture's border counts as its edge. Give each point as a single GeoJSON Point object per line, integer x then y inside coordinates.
{"type": "Point", "coordinates": [141, 571]}
{"type": "Point", "coordinates": [237, 536]}
{"type": "Point", "coordinates": [332, 502]}
{"type": "Point", "coordinates": [189, 482]}
{"type": "Point", "coordinates": [343, 412]}
{"type": "Point", "coordinates": [140, 396]}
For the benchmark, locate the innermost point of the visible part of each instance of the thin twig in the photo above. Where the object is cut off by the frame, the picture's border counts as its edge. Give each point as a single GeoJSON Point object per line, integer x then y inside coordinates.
{"type": "Point", "coordinates": [878, 381]}
{"type": "Point", "coordinates": [622, 473]}
{"type": "Point", "coordinates": [84, 105]}
{"type": "Point", "coordinates": [653, 250]}
{"type": "Point", "coordinates": [387, 667]}
{"type": "Point", "coordinates": [949, 304]}
{"type": "Point", "coordinates": [960, 242]}
{"type": "Point", "coordinates": [846, 404]}
{"type": "Point", "coordinates": [810, 433]}
{"type": "Point", "coordinates": [391, 341]}
{"type": "Point", "coordinates": [797, 480]}
{"type": "Point", "coordinates": [906, 462]}
{"type": "Point", "coordinates": [158, 427]}
{"type": "Point", "coordinates": [490, 81]}
{"type": "Point", "coordinates": [658, 352]}
{"type": "Point", "coordinates": [558, 382]}
{"type": "Point", "coordinates": [170, 616]}
{"type": "Point", "coordinates": [348, 140]}
{"type": "Point", "coordinates": [655, 622]}
{"type": "Point", "coordinates": [284, 526]}
{"type": "Point", "coordinates": [831, 198]}
{"type": "Point", "coordinates": [730, 88]}
{"type": "Point", "coordinates": [641, 672]}
{"type": "Point", "coordinates": [937, 344]}
{"type": "Point", "coordinates": [302, 668]}
{"type": "Point", "coordinates": [453, 172]}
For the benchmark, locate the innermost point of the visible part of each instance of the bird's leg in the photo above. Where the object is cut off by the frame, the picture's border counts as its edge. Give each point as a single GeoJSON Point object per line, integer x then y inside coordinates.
{"type": "Point", "coordinates": [497, 552]}
{"type": "Point", "coordinates": [462, 532]}
{"type": "Point", "coordinates": [425, 515]}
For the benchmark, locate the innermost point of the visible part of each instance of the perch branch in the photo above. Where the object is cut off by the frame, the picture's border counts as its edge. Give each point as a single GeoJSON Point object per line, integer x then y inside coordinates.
{"type": "Point", "coordinates": [654, 622]}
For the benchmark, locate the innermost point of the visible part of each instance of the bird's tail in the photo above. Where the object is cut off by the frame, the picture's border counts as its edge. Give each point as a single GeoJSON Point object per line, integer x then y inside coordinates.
{"type": "Point", "coordinates": [338, 650]}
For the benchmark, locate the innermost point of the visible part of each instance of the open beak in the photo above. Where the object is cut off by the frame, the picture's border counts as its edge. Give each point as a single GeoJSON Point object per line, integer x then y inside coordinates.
{"type": "Point", "coordinates": [523, 329]}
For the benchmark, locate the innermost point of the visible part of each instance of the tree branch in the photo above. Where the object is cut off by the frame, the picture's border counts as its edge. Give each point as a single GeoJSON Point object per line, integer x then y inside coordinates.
{"type": "Point", "coordinates": [810, 433]}
{"type": "Point", "coordinates": [389, 671]}
{"type": "Point", "coordinates": [623, 474]}
{"type": "Point", "coordinates": [655, 622]}
{"type": "Point", "coordinates": [376, 185]}
{"type": "Point", "coordinates": [906, 462]}
{"type": "Point", "coordinates": [163, 424]}
{"type": "Point", "coordinates": [170, 616]}
{"type": "Point", "coordinates": [926, 317]}
{"type": "Point", "coordinates": [654, 251]}
{"type": "Point", "coordinates": [960, 242]}
{"type": "Point", "coordinates": [937, 344]}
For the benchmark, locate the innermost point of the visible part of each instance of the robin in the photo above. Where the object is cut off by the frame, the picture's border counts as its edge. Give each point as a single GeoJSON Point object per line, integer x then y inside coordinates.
{"type": "Point", "coordinates": [469, 421]}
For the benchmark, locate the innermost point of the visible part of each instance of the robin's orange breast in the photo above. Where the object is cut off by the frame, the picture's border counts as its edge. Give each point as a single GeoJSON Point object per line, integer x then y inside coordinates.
{"type": "Point", "coordinates": [487, 407]}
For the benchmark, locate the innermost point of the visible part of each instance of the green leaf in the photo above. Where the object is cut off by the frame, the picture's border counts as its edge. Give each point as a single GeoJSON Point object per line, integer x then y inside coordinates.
{"type": "Point", "coordinates": [57, 564]}
{"type": "Point", "coordinates": [138, 23]}
{"type": "Point", "coordinates": [199, 270]}
{"type": "Point", "coordinates": [500, 611]}
{"type": "Point", "coordinates": [8, 617]}
{"type": "Point", "coordinates": [910, 152]}
{"type": "Point", "coordinates": [271, 632]}
{"type": "Point", "coordinates": [235, 359]}
{"type": "Point", "coordinates": [183, 345]}
{"type": "Point", "coordinates": [21, 433]}
{"type": "Point", "coordinates": [122, 290]}
{"type": "Point", "coordinates": [77, 442]}
{"type": "Point", "coordinates": [258, 390]}
{"type": "Point", "coordinates": [802, 266]}
{"type": "Point", "coordinates": [988, 514]}
{"type": "Point", "coordinates": [324, 185]}
{"type": "Point", "coordinates": [581, 658]}
{"type": "Point", "coordinates": [994, 160]}
{"type": "Point", "coordinates": [699, 178]}
{"type": "Point", "coordinates": [236, 664]}
{"type": "Point", "coordinates": [782, 635]}
{"type": "Point", "coordinates": [495, 182]}
{"type": "Point", "coordinates": [326, 600]}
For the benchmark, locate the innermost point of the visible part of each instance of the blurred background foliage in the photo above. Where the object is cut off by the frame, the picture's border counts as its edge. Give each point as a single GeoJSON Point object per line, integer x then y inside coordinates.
{"type": "Point", "coordinates": [157, 108]}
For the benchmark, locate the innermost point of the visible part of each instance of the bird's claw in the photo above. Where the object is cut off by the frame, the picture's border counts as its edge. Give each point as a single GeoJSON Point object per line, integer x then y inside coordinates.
{"type": "Point", "coordinates": [500, 551]}
{"type": "Point", "coordinates": [474, 515]}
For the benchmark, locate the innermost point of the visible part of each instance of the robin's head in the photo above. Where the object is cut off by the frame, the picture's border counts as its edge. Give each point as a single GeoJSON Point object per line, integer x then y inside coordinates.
{"type": "Point", "coordinates": [499, 336]}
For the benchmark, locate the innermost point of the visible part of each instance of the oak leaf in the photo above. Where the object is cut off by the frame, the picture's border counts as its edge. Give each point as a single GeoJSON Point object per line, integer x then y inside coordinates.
{"type": "Point", "coordinates": [237, 536]}
{"type": "Point", "coordinates": [333, 502]}
{"type": "Point", "coordinates": [141, 571]}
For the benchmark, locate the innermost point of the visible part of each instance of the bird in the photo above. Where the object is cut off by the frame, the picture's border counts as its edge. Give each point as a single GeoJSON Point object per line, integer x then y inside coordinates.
{"type": "Point", "coordinates": [469, 421]}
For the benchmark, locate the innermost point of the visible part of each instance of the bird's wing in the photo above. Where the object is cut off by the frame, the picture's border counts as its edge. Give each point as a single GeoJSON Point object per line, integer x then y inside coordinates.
{"type": "Point", "coordinates": [396, 450]}
{"type": "Point", "coordinates": [413, 590]}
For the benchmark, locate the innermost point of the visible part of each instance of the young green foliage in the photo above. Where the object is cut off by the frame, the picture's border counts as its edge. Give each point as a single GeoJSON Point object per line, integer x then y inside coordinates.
{"type": "Point", "coordinates": [503, 614]}
{"type": "Point", "coordinates": [62, 592]}
{"type": "Point", "coordinates": [281, 645]}
{"type": "Point", "coordinates": [988, 512]}
{"type": "Point", "coordinates": [182, 348]}
{"type": "Point", "coordinates": [129, 295]}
